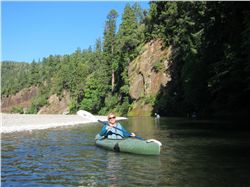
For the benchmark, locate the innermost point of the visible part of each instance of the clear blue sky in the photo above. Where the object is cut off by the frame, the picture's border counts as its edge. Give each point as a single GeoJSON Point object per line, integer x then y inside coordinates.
{"type": "Point", "coordinates": [33, 30]}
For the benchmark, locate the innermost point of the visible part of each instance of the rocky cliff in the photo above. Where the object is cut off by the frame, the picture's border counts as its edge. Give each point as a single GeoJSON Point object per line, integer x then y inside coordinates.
{"type": "Point", "coordinates": [147, 73]}
{"type": "Point", "coordinates": [56, 105]}
{"type": "Point", "coordinates": [21, 99]}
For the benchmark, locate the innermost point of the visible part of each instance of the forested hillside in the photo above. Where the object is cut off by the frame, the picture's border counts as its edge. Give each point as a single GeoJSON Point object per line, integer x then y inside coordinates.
{"type": "Point", "coordinates": [209, 67]}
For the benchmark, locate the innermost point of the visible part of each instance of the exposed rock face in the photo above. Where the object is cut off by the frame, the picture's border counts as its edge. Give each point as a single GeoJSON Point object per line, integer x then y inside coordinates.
{"type": "Point", "coordinates": [147, 73]}
{"type": "Point", "coordinates": [56, 105]}
{"type": "Point", "coordinates": [22, 98]}
{"type": "Point", "coordinates": [137, 86]}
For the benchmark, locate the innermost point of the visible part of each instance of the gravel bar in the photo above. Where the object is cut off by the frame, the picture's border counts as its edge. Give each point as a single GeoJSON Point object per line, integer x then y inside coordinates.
{"type": "Point", "coordinates": [23, 122]}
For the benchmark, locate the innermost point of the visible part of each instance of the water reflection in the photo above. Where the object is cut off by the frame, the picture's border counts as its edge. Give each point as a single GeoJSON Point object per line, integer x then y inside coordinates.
{"type": "Point", "coordinates": [157, 122]}
{"type": "Point", "coordinates": [143, 126]}
{"type": "Point", "coordinates": [113, 168]}
{"type": "Point", "coordinates": [193, 154]}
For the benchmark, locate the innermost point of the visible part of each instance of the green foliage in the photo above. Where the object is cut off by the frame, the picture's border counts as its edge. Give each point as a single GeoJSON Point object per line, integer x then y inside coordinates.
{"type": "Point", "coordinates": [110, 32]}
{"type": "Point", "coordinates": [37, 103]}
{"type": "Point", "coordinates": [181, 21]}
{"type": "Point", "coordinates": [17, 109]}
{"type": "Point", "coordinates": [209, 66]}
{"type": "Point", "coordinates": [14, 77]}
{"type": "Point", "coordinates": [96, 79]}
{"type": "Point", "coordinates": [158, 66]}
{"type": "Point", "coordinates": [128, 34]}
{"type": "Point", "coordinates": [32, 110]}
{"type": "Point", "coordinates": [73, 106]}
{"type": "Point", "coordinates": [122, 109]}
{"type": "Point", "coordinates": [209, 57]}
{"type": "Point", "coordinates": [149, 99]}
{"type": "Point", "coordinates": [111, 102]}
{"type": "Point", "coordinates": [97, 85]}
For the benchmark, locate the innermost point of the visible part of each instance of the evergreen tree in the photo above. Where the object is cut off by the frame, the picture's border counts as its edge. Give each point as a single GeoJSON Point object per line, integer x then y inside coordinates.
{"type": "Point", "coordinates": [127, 35]}
{"type": "Point", "coordinates": [98, 45]}
{"type": "Point", "coordinates": [127, 41]}
{"type": "Point", "coordinates": [226, 57]}
{"type": "Point", "coordinates": [109, 44]}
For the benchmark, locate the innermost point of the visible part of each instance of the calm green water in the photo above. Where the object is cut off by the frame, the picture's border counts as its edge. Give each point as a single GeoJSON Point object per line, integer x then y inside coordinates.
{"type": "Point", "coordinates": [194, 153]}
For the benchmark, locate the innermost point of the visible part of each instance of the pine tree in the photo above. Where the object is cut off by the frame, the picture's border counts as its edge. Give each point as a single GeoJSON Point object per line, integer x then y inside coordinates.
{"type": "Point", "coordinates": [127, 35]}
{"type": "Point", "coordinates": [109, 44]}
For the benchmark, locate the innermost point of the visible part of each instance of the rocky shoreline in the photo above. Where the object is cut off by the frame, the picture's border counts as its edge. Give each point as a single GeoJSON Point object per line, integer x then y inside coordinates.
{"type": "Point", "coordinates": [27, 122]}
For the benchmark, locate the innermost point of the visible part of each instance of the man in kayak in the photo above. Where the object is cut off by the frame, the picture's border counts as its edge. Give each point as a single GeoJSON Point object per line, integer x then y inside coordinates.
{"type": "Point", "coordinates": [114, 130]}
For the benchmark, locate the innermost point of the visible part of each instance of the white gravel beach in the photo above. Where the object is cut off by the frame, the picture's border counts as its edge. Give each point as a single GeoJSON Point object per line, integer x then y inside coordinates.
{"type": "Point", "coordinates": [22, 122]}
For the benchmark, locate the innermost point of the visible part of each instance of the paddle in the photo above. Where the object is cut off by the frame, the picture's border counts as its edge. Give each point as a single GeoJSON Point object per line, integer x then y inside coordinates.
{"type": "Point", "coordinates": [91, 117]}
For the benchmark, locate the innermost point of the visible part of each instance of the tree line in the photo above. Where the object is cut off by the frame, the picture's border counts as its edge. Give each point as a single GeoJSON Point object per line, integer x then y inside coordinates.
{"type": "Point", "coordinates": [209, 66]}
{"type": "Point", "coordinates": [96, 78]}
{"type": "Point", "coordinates": [210, 60]}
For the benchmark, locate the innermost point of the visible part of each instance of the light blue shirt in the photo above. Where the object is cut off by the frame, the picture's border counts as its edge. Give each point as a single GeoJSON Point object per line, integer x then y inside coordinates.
{"type": "Point", "coordinates": [114, 133]}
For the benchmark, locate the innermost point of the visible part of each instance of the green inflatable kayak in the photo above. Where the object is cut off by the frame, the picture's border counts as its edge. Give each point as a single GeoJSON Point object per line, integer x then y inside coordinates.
{"type": "Point", "coordinates": [131, 145]}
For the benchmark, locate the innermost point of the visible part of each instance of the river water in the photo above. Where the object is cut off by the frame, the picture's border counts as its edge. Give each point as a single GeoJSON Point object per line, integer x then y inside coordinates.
{"type": "Point", "coordinates": [194, 153]}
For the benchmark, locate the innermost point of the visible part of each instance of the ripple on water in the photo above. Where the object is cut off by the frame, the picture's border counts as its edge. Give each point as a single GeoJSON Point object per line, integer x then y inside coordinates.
{"type": "Point", "coordinates": [68, 157]}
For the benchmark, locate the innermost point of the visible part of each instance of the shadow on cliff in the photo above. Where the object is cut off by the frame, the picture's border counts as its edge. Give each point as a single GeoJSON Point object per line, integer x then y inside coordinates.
{"type": "Point", "coordinates": [164, 102]}
{"type": "Point", "coordinates": [170, 104]}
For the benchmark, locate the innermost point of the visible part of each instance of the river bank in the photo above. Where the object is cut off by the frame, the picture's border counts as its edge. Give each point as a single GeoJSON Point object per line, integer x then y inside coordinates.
{"type": "Point", "coordinates": [23, 122]}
